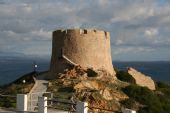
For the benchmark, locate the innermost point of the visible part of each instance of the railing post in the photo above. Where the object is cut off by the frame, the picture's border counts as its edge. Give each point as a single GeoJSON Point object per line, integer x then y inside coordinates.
{"type": "Point", "coordinates": [81, 107]}
{"type": "Point", "coordinates": [42, 104]}
{"type": "Point", "coordinates": [21, 102]}
{"type": "Point", "coordinates": [128, 111]}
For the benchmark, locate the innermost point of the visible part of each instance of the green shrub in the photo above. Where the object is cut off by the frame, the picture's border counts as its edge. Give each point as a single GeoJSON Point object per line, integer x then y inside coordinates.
{"type": "Point", "coordinates": [147, 98]}
{"type": "Point", "coordinates": [129, 103]}
{"type": "Point", "coordinates": [116, 69]}
{"type": "Point", "coordinates": [91, 73]}
{"type": "Point", "coordinates": [164, 88]}
{"type": "Point", "coordinates": [162, 85]}
{"type": "Point", "coordinates": [27, 77]}
{"type": "Point", "coordinates": [66, 89]}
{"type": "Point", "coordinates": [7, 102]}
{"type": "Point", "coordinates": [125, 76]}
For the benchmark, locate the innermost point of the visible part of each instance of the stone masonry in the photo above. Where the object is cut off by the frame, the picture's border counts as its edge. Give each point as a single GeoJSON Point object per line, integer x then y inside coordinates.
{"type": "Point", "coordinates": [84, 47]}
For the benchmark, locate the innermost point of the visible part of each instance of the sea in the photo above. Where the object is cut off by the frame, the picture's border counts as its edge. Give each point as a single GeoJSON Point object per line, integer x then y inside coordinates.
{"type": "Point", "coordinates": [13, 68]}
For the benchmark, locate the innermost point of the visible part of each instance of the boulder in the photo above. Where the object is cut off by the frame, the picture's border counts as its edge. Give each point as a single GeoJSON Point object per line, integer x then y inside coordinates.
{"type": "Point", "coordinates": [141, 79]}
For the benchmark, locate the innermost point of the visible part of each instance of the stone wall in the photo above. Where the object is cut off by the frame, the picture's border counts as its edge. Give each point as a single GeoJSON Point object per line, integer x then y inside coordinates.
{"type": "Point", "coordinates": [142, 79]}
{"type": "Point", "coordinates": [84, 47]}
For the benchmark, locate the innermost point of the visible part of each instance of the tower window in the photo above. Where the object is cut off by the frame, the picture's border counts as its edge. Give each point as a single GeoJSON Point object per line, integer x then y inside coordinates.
{"type": "Point", "coordinates": [85, 31]}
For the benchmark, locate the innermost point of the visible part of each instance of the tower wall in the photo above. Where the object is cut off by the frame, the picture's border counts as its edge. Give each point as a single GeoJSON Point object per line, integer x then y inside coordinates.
{"type": "Point", "coordinates": [88, 48]}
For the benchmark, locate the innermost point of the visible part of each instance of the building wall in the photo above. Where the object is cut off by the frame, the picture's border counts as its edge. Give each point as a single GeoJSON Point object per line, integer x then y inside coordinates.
{"type": "Point", "coordinates": [88, 48]}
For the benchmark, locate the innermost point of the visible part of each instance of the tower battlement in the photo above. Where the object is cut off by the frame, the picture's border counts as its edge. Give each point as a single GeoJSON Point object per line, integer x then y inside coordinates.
{"type": "Point", "coordinates": [85, 47]}
{"type": "Point", "coordinates": [83, 32]}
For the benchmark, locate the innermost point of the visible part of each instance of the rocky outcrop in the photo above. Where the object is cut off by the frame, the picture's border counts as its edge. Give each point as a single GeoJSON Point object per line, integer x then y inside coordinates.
{"type": "Point", "coordinates": [142, 79]}
{"type": "Point", "coordinates": [88, 85]}
{"type": "Point", "coordinates": [97, 87]}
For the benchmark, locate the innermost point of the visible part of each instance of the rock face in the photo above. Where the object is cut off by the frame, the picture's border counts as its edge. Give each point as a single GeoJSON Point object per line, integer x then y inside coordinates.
{"type": "Point", "coordinates": [77, 83]}
{"type": "Point", "coordinates": [84, 47]}
{"type": "Point", "coordinates": [142, 79]}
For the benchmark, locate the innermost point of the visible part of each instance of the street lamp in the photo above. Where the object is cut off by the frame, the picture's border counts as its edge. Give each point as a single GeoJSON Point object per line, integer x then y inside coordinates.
{"type": "Point", "coordinates": [35, 66]}
{"type": "Point", "coordinates": [23, 86]}
{"type": "Point", "coordinates": [23, 81]}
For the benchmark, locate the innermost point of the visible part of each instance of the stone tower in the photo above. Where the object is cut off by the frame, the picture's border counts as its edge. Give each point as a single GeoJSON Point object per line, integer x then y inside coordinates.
{"type": "Point", "coordinates": [84, 47]}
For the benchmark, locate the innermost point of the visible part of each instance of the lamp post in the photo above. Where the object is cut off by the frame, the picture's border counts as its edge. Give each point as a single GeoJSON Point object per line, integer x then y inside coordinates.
{"type": "Point", "coordinates": [35, 66]}
{"type": "Point", "coordinates": [23, 86]}
{"type": "Point", "coordinates": [24, 81]}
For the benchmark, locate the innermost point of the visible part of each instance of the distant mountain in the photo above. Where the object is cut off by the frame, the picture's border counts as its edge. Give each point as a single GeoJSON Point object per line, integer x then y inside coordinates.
{"type": "Point", "coordinates": [20, 56]}
{"type": "Point", "coordinates": [10, 54]}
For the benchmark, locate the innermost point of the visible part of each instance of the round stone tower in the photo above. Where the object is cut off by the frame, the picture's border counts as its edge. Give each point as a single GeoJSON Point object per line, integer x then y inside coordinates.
{"type": "Point", "coordinates": [84, 47]}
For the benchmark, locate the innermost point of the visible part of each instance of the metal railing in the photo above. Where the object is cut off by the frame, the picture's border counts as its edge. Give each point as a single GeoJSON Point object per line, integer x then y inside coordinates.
{"type": "Point", "coordinates": [102, 109]}
{"type": "Point", "coordinates": [33, 99]}
{"type": "Point", "coordinates": [68, 106]}
{"type": "Point", "coordinates": [72, 107]}
{"type": "Point", "coordinates": [12, 96]}
{"type": "Point", "coordinates": [7, 101]}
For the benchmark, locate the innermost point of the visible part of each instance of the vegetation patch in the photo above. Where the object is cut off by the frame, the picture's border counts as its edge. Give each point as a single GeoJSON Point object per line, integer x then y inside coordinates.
{"type": "Point", "coordinates": [125, 76]}
{"type": "Point", "coordinates": [91, 73]}
{"type": "Point", "coordinates": [16, 87]}
{"type": "Point", "coordinates": [149, 101]}
{"type": "Point", "coordinates": [66, 89]}
{"type": "Point", "coordinates": [162, 85]}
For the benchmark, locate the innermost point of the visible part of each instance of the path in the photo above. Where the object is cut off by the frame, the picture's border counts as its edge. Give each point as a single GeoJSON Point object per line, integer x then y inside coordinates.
{"type": "Point", "coordinates": [38, 90]}
{"type": "Point", "coordinates": [5, 110]}
{"type": "Point", "coordinates": [40, 85]}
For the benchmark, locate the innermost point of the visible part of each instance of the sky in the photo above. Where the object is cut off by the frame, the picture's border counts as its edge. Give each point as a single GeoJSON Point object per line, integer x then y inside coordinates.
{"type": "Point", "coordinates": [140, 29]}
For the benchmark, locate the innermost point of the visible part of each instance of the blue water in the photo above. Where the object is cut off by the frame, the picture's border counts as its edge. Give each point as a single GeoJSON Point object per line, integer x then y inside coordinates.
{"type": "Point", "coordinates": [159, 71]}
{"type": "Point", "coordinates": [11, 69]}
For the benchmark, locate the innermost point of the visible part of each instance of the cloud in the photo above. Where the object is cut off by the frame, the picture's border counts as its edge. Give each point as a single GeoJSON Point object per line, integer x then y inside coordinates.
{"type": "Point", "coordinates": [135, 26]}
{"type": "Point", "coordinates": [119, 42]}
{"type": "Point", "coordinates": [151, 32]}
{"type": "Point", "coordinates": [42, 35]}
{"type": "Point", "coordinates": [124, 50]}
